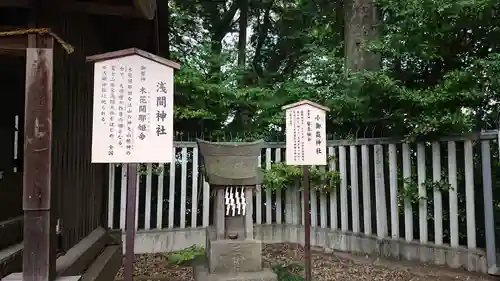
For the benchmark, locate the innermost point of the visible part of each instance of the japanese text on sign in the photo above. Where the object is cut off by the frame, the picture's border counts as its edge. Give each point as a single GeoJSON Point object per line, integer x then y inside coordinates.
{"type": "Point", "coordinates": [133, 111]}
{"type": "Point", "coordinates": [305, 135]}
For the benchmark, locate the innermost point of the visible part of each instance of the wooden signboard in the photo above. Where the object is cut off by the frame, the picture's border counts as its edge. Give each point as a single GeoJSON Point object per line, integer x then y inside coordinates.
{"type": "Point", "coordinates": [133, 108]}
{"type": "Point", "coordinates": [306, 133]}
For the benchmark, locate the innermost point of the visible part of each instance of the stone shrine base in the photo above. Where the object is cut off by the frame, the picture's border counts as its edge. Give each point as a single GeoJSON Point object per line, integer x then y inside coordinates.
{"type": "Point", "coordinates": [201, 273]}
{"type": "Point", "coordinates": [232, 260]}
{"type": "Point", "coordinates": [231, 256]}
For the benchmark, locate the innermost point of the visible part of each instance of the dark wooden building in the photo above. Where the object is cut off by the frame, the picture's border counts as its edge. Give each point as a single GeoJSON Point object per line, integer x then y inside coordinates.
{"type": "Point", "coordinates": [79, 188]}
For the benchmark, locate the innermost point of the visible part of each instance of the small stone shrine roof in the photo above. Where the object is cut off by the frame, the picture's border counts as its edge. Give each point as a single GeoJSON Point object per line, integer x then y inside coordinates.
{"type": "Point", "coordinates": [231, 164]}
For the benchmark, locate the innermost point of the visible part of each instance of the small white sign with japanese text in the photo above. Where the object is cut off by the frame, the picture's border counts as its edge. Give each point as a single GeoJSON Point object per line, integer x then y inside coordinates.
{"type": "Point", "coordinates": [306, 135]}
{"type": "Point", "coordinates": [133, 111]}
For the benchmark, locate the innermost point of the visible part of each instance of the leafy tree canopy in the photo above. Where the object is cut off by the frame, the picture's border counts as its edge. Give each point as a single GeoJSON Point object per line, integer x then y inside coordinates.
{"type": "Point", "coordinates": [439, 72]}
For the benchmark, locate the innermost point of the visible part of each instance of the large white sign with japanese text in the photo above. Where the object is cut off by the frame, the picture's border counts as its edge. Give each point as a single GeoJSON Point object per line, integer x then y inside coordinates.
{"type": "Point", "coordinates": [133, 111]}
{"type": "Point", "coordinates": [305, 136]}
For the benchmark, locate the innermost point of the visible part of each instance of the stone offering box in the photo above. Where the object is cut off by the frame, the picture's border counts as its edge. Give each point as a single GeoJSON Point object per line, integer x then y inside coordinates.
{"type": "Point", "coordinates": [232, 171]}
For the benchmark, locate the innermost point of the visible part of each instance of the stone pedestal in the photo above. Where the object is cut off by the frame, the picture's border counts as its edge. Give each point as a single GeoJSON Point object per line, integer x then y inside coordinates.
{"type": "Point", "coordinates": [232, 260]}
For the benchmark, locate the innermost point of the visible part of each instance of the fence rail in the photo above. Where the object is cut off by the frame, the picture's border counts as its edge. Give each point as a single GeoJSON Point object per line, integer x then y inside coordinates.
{"type": "Point", "coordinates": [389, 188]}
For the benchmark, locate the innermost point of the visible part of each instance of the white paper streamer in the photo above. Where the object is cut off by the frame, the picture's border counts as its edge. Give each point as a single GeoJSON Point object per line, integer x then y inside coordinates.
{"type": "Point", "coordinates": [235, 201]}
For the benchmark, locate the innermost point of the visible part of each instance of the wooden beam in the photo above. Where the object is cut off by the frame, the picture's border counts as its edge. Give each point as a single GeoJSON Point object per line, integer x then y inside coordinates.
{"type": "Point", "coordinates": [147, 8]}
{"type": "Point", "coordinates": [39, 262]}
{"type": "Point", "coordinates": [80, 256]}
{"type": "Point", "coordinates": [106, 265]}
{"type": "Point", "coordinates": [12, 53]}
{"type": "Point", "coordinates": [11, 260]}
{"type": "Point", "coordinates": [11, 232]}
{"type": "Point", "coordinates": [104, 9]}
{"type": "Point", "coordinates": [14, 42]}
{"type": "Point", "coordinates": [14, 3]}
{"type": "Point", "coordinates": [13, 45]}
{"type": "Point", "coordinates": [141, 9]}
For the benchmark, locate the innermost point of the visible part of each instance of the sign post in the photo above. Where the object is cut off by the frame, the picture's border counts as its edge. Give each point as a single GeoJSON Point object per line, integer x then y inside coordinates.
{"type": "Point", "coordinates": [132, 120]}
{"type": "Point", "coordinates": [305, 146]}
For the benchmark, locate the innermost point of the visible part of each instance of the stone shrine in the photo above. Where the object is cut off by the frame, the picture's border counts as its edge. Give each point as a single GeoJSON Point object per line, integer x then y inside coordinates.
{"type": "Point", "coordinates": [232, 253]}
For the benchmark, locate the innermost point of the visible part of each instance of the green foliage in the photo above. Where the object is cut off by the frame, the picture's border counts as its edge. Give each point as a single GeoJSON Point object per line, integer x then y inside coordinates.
{"type": "Point", "coordinates": [323, 180]}
{"type": "Point", "coordinates": [410, 191]}
{"type": "Point", "coordinates": [155, 169]}
{"type": "Point", "coordinates": [186, 256]}
{"type": "Point", "coordinates": [281, 177]}
{"type": "Point", "coordinates": [288, 272]}
{"type": "Point", "coordinates": [440, 70]}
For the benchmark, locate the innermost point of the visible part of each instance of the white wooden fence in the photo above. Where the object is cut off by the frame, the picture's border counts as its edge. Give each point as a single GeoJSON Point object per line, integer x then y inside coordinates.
{"type": "Point", "coordinates": [367, 167]}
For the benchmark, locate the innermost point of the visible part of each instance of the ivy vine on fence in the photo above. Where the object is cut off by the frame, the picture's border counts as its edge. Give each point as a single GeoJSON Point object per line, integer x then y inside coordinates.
{"type": "Point", "coordinates": [281, 176]}
{"type": "Point", "coordinates": [409, 190]}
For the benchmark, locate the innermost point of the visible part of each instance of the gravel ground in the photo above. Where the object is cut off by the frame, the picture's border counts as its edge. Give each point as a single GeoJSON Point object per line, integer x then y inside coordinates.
{"type": "Point", "coordinates": [326, 267]}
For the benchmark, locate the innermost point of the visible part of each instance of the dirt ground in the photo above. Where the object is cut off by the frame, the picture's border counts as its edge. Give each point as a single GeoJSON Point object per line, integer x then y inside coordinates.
{"type": "Point", "coordinates": [326, 267]}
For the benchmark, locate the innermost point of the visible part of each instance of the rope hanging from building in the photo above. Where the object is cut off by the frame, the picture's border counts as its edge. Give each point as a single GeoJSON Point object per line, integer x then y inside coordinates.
{"type": "Point", "coordinates": [41, 31]}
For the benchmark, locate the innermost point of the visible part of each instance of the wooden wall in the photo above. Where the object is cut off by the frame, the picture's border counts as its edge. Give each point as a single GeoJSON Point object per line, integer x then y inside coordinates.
{"type": "Point", "coordinates": [80, 185]}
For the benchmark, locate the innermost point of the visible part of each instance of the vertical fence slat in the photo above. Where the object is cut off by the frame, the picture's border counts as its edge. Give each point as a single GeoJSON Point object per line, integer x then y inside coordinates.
{"type": "Point", "coordinates": [438, 204]}
{"type": "Point", "coordinates": [489, 220]}
{"type": "Point", "coordinates": [277, 158]}
{"type": "Point", "coordinates": [422, 193]}
{"type": "Point", "coordinates": [123, 196]}
{"type": "Point", "coordinates": [171, 192]}
{"type": "Point", "coordinates": [469, 194]}
{"type": "Point", "coordinates": [111, 194]}
{"type": "Point", "coordinates": [333, 194]}
{"type": "Point", "coordinates": [269, 203]}
{"type": "Point", "coordinates": [206, 203]}
{"type": "Point", "coordinates": [380, 201]}
{"type": "Point", "coordinates": [322, 212]}
{"type": "Point", "coordinates": [393, 185]}
{"type": "Point", "coordinates": [159, 205]}
{"type": "Point", "coordinates": [288, 206]}
{"type": "Point", "coordinates": [322, 205]}
{"type": "Point", "coordinates": [147, 212]}
{"type": "Point", "coordinates": [194, 193]}
{"type": "Point", "coordinates": [301, 200]}
{"type": "Point", "coordinates": [258, 199]}
{"type": "Point", "coordinates": [453, 193]}
{"type": "Point", "coordinates": [184, 161]}
{"type": "Point", "coordinates": [298, 204]}
{"type": "Point", "coordinates": [314, 207]}
{"type": "Point", "coordinates": [367, 206]}
{"type": "Point", "coordinates": [344, 213]}
{"type": "Point", "coordinates": [354, 188]}
{"type": "Point", "coordinates": [407, 204]}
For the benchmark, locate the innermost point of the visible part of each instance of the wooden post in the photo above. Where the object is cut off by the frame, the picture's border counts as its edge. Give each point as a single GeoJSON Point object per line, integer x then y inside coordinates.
{"type": "Point", "coordinates": [128, 273]}
{"type": "Point", "coordinates": [39, 223]}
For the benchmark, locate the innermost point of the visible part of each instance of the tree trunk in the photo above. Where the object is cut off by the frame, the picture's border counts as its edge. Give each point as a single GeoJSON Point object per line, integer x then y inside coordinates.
{"type": "Point", "coordinates": [242, 117]}
{"type": "Point", "coordinates": [361, 21]}
{"type": "Point", "coordinates": [242, 40]}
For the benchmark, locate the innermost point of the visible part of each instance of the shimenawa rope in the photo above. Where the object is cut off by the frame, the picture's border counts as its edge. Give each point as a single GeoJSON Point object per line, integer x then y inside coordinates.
{"type": "Point", "coordinates": [42, 31]}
